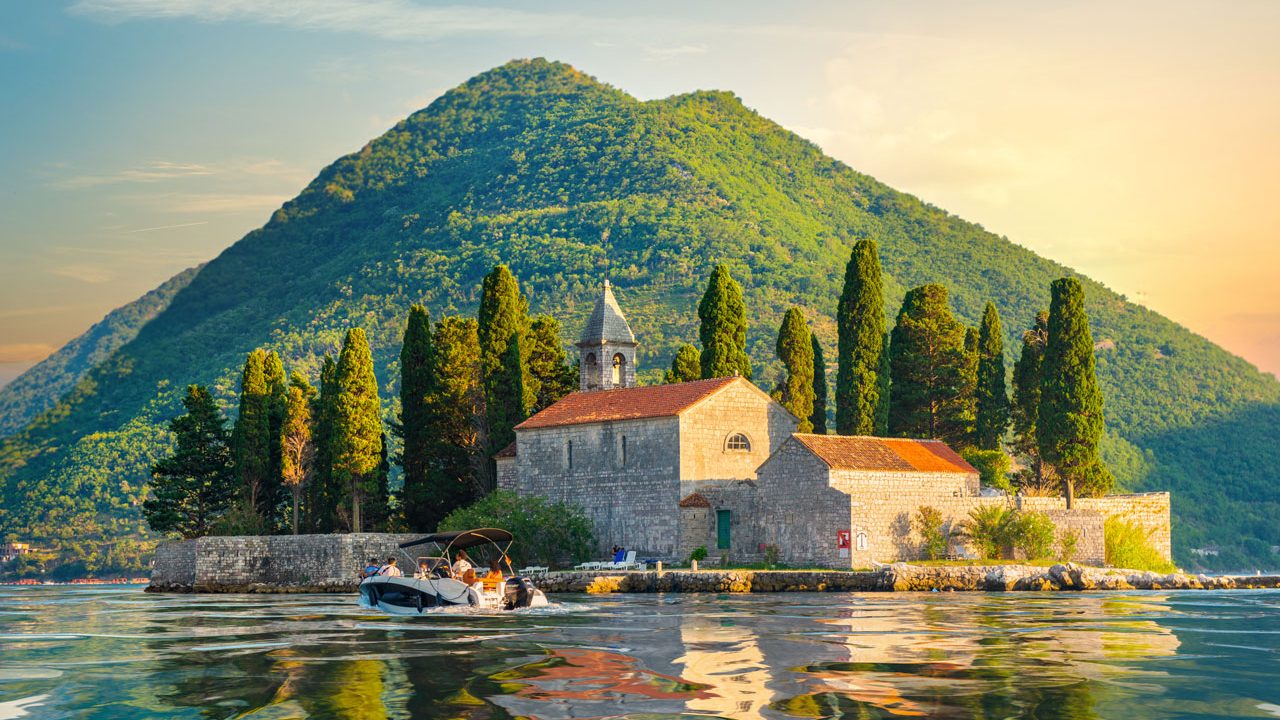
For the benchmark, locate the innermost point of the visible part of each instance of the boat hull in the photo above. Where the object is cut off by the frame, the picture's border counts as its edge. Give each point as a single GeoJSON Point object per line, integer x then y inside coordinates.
{"type": "Point", "coordinates": [414, 596]}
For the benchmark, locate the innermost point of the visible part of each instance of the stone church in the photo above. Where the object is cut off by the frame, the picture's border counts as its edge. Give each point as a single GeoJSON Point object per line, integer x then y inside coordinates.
{"type": "Point", "coordinates": [664, 469]}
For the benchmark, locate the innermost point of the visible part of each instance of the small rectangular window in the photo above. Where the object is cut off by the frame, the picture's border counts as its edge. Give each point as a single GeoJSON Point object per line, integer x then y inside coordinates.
{"type": "Point", "coordinates": [568, 454]}
{"type": "Point", "coordinates": [623, 454]}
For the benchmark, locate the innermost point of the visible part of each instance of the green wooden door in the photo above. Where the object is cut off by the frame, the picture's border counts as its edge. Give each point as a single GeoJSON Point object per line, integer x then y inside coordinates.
{"type": "Point", "coordinates": [722, 529]}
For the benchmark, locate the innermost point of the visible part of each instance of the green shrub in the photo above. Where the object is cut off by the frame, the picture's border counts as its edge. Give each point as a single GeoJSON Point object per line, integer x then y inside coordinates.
{"type": "Point", "coordinates": [1129, 546]}
{"type": "Point", "coordinates": [1032, 533]}
{"type": "Point", "coordinates": [987, 529]}
{"type": "Point", "coordinates": [992, 466]}
{"type": "Point", "coordinates": [1067, 545]}
{"type": "Point", "coordinates": [928, 522]}
{"type": "Point", "coordinates": [771, 555]}
{"type": "Point", "coordinates": [546, 533]}
{"type": "Point", "coordinates": [699, 553]}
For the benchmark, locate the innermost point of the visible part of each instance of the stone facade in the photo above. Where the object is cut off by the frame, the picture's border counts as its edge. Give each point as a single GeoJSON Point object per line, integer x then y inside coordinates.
{"type": "Point", "coordinates": [296, 563]}
{"type": "Point", "coordinates": [740, 410]}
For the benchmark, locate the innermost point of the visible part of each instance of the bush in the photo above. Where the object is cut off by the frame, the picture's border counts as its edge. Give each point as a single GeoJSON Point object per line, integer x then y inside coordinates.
{"type": "Point", "coordinates": [546, 533]}
{"type": "Point", "coordinates": [1129, 546]}
{"type": "Point", "coordinates": [1032, 533]}
{"type": "Point", "coordinates": [1067, 545]}
{"type": "Point", "coordinates": [771, 553]}
{"type": "Point", "coordinates": [928, 522]}
{"type": "Point", "coordinates": [992, 466]}
{"type": "Point", "coordinates": [987, 529]}
{"type": "Point", "coordinates": [699, 553]}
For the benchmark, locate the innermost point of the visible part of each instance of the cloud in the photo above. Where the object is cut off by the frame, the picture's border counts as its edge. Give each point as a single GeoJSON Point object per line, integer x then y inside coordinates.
{"type": "Point", "coordinates": [92, 274]}
{"type": "Point", "coordinates": [24, 352]}
{"type": "Point", "coordinates": [154, 171]}
{"type": "Point", "coordinates": [165, 227]}
{"type": "Point", "coordinates": [391, 19]}
{"type": "Point", "coordinates": [672, 52]}
{"type": "Point", "coordinates": [219, 202]}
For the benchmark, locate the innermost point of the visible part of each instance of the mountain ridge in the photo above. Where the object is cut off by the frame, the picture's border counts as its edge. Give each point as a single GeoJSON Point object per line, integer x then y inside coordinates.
{"type": "Point", "coordinates": [530, 164]}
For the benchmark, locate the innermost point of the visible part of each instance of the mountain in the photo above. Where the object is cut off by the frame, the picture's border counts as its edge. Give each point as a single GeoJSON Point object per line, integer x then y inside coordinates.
{"type": "Point", "coordinates": [539, 166]}
{"type": "Point", "coordinates": [44, 383]}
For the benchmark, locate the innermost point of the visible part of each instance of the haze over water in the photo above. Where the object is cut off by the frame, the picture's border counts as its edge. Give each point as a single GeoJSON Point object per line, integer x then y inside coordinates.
{"type": "Point", "coordinates": [116, 652]}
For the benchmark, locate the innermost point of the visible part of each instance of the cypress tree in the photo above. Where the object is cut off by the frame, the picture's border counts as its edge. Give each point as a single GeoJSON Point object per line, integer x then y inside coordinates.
{"type": "Point", "coordinates": [723, 330]}
{"type": "Point", "coordinates": [795, 350]}
{"type": "Point", "coordinates": [861, 328]}
{"type": "Point", "coordinates": [967, 410]}
{"type": "Point", "coordinates": [685, 366]}
{"type": "Point", "coordinates": [503, 318]}
{"type": "Point", "coordinates": [818, 420]}
{"type": "Point", "coordinates": [253, 432]}
{"type": "Point", "coordinates": [992, 396]}
{"type": "Point", "coordinates": [322, 493]}
{"type": "Point", "coordinates": [884, 380]}
{"type": "Point", "coordinates": [928, 360]}
{"type": "Point", "coordinates": [193, 487]}
{"type": "Point", "coordinates": [1025, 410]}
{"type": "Point", "coordinates": [357, 426]}
{"type": "Point", "coordinates": [271, 505]}
{"type": "Point", "coordinates": [457, 453]}
{"type": "Point", "coordinates": [297, 443]}
{"type": "Point", "coordinates": [417, 394]}
{"type": "Point", "coordinates": [548, 363]}
{"type": "Point", "coordinates": [1070, 420]}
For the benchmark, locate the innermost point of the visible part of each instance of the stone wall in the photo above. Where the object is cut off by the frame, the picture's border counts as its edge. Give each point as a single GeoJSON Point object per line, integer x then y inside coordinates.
{"type": "Point", "coordinates": [741, 499]}
{"type": "Point", "coordinates": [705, 428]}
{"type": "Point", "coordinates": [1148, 510]}
{"type": "Point", "coordinates": [506, 473]}
{"type": "Point", "coordinates": [294, 563]}
{"type": "Point", "coordinates": [801, 513]}
{"type": "Point", "coordinates": [623, 474]}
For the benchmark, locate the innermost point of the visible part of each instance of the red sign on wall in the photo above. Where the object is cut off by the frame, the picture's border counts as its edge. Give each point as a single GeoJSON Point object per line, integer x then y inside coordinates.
{"type": "Point", "coordinates": [842, 539]}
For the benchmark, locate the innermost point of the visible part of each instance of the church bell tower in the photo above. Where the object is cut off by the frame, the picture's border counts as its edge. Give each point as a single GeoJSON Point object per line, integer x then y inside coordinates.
{"type": "Point", "coordinates": [607, 350]}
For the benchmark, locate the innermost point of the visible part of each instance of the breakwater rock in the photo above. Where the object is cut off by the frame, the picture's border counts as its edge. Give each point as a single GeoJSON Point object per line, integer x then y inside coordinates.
{"type": "Point", "coordinates": [899, 577]}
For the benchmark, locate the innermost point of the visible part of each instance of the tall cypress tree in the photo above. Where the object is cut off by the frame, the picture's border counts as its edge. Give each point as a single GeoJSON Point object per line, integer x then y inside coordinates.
{"type": "Point", "coordinates": [273, 498]}
{"type": "Point", "coordinates": [818, 420]}
{"type": "Point", "coordinates": [795, 350]}
{"type": "Point", "coordinates": [357, 426]}
{"type": "Point", "coordinates": [297, 443]}
{"type": "Point", "coordinates": [1070, 418]}
{"type": "Point", "coordinates": [548, 363]}
{"type": "Point", "coordinates": [253, 432]}
{"type": "Point", "coordinates": [885, 381]}
{"type": "Point", "coordinates": [417, 393]}
{"type": "Point", "coordinates": [457, 453]}
{"type": "Point", "coordinates": [1025, 410]}
{"type": "Point", "coordinates": [723, 330]}
{"type": "Point", "coordinates": [193, 487]}
{"type": "Point", "coordinates": [503, 318]}
{"type": "Point", "coordinates": [685, 366]}
{"type": "Point", "coordinates": [967, 412]}
{"type": "Point", "coordinates": [928, 361]}
{"type": "Point", "coordinates": [322, 493]}
{"type": "Point", "coordinates": [861, 327]}
{"type": "Point", "coordinates": [993, 398]}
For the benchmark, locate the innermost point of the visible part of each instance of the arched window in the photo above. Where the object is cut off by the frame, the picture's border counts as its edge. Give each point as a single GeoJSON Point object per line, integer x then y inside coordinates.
{"type": "Point", "coordinates": [619, 369]}
{"type": "Point", "coordinates": [737, 442]}
{"type": "Point", "coordinates": [591, 369]}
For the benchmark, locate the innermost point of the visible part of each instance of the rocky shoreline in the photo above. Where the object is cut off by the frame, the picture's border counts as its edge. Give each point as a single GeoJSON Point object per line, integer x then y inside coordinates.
{"type": "Point", "coordinates": [899, 577]}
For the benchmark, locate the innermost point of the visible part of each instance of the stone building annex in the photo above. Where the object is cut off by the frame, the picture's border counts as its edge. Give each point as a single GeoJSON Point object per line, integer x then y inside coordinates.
{"type": "Point", "coordinates": [664, 469]}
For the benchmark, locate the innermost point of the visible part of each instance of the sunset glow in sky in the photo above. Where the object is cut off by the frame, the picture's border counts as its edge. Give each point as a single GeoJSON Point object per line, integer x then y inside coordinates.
{"type": "Point", "coordinates": [1138, 144]}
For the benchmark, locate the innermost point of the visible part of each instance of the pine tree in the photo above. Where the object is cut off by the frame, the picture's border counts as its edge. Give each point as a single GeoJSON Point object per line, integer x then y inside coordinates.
{"type": "Point", "coordinates": [992, 396]}
{"type": "Point", "coordinates": [685, 366]}
{"type": "Point", "coordinates": [357, 427]}
{"type": "Point", "coordinates": [548, 363]}
{"type": "Point", "coordinates": [723, 330]}
{"type": "Point", "coordinates": [1071, 417]}
{"type": "Point", "coordinates": [417, 395]}
{"type": "Point", "coordinates": [818, 420]}
{"type": "Point", "coordinates": [861, 328]}
{"type": "Point", "coordinates": [1025, 410]}
{"type": "Point", "coordinates": [795, 349]}
{"type": "Point", "coordinates": [323, 494]}
{"type": "Point", "coordinates": [297, 442]}
{"type": "Point", "coordinates": [253, 432]}
{"type": "Point", "coordinates": [503, 318]}
{"type": "Point", "coordinates": [927, 360]}
{"type": "Point", "coordinates": [273, 496]}
{"type": "Point", "coordinates": [194, 486]}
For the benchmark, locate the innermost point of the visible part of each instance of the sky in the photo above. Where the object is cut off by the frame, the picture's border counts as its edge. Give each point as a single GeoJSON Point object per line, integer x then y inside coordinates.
{"type": "Point", "coordinates": [1137, 142]}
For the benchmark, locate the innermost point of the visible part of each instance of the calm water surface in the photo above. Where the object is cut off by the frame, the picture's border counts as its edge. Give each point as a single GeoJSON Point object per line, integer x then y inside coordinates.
{"type": "Point", "coordinates": [116, 652]}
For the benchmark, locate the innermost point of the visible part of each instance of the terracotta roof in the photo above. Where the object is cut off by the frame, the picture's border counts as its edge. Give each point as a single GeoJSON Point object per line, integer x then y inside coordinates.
{"type": "Point", "coordinates": [842, 452]}
{"type": "Point", "coordinates": [508, 451]}
{"type": "Point", "coordinates": [626, 404]}
{"type": "Point", "coordinates": [695, 500]}
{"type": "Point", "coordinates": [607, 324]}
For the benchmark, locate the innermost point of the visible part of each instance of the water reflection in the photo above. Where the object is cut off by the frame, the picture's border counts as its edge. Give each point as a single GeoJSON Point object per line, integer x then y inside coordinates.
{"type": "Point", "coordinates": [121, 654]}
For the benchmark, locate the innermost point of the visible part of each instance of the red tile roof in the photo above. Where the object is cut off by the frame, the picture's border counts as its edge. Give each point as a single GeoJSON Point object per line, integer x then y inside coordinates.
{"type": "Point", "coordinates": [508, 451]}
{"type": "Point", "coordinates": [695, 500]}
{"type": "Point", "coordinates": [626, 404]}
{"type": "Point", "coordinates": [841, 452]}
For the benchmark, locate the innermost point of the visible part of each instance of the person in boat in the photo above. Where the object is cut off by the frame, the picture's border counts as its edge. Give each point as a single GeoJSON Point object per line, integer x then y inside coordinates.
{"type": "Point", "coordinates": [494, 578]}
{"type": "Point", "coordinates": [462, 565]}
{"type": "Point", "coordinates": [424, 569]}
{"type": "Point", "coordinates": [371, 568]}
{"type": "Point", "coordinates": [390, 569]}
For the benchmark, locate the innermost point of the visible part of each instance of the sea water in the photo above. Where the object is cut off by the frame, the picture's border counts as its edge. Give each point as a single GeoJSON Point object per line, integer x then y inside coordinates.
{"type": "Point", "coordinates": [115, 652]}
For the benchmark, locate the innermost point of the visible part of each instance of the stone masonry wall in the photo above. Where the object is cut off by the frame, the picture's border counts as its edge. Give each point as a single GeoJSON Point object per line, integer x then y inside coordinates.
{"type": "Point", "coordinates": [506, 473]}
{"type": "Point", "coordinates": [741, 499]}
{"type": "Point", "coordinates": [1148, 510]}
{"type": "Point", "coordinates": [238, 563]}
{"type": "Point", "coordinates": [801, 513]}
{"type": "Point", "coordinates": [632, 500]}
{"type": "Point", "coordinates": [705, 428]}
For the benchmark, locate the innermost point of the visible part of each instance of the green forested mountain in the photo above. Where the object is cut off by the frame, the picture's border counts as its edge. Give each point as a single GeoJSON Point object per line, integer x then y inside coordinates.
{"type": "Point", "coordinates": [529, 165]}
{"type": "Point", "coordinates": [37, 389]}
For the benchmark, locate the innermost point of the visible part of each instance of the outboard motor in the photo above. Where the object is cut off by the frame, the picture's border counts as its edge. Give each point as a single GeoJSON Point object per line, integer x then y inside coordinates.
{"type": "Point", "coordinates": [518, 593]}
